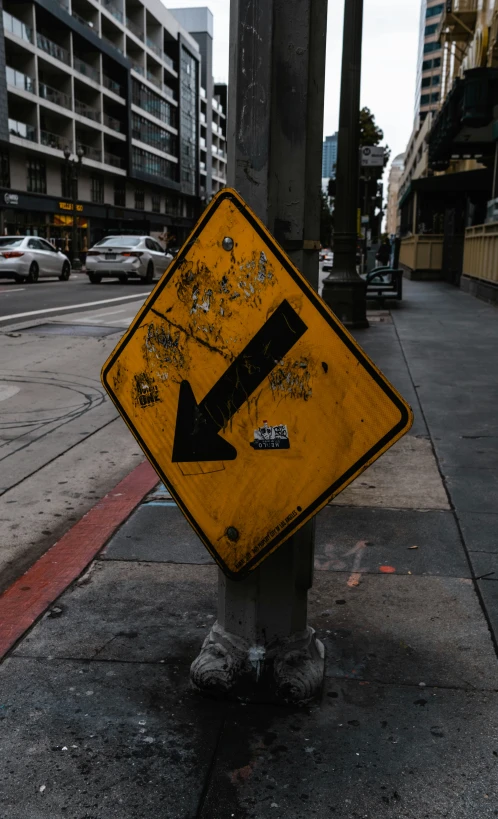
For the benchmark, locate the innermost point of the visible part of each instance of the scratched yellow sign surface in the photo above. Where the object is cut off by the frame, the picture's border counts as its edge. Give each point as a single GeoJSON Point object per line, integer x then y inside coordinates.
{"type": "Point", "coordinates": [248, 396]}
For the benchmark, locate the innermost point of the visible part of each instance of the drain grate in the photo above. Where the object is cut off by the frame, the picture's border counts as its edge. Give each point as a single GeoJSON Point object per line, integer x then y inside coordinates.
{"type": "Point", "coordinates": [71, 330]}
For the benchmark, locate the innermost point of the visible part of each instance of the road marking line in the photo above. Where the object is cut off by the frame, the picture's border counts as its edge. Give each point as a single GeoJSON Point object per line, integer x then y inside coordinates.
{"type": "Point", "coordinates": [27, 599]}
{"type": "Point", "coordinates": [16, 290]}
{"type": "Point", "coordinates": [71, 307]}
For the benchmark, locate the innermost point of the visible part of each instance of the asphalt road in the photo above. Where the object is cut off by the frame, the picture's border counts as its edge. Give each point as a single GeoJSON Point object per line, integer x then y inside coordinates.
{"type": "Point", "coordinates": [52, 298]}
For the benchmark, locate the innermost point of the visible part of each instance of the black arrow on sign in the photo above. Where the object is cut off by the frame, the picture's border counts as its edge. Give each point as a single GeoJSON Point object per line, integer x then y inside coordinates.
{"type": "Point", "coordinates": [198, 425]}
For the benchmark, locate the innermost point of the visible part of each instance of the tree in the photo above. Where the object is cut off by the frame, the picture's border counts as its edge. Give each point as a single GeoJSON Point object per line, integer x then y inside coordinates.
{"type": "Point", "coordinates": [370, 133]}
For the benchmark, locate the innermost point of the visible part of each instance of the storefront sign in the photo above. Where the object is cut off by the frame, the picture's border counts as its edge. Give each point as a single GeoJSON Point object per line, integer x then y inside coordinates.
{"type": "Point", "coordinates": [11, 199]}
{"type": "Point", "coordinates": [70, 206]}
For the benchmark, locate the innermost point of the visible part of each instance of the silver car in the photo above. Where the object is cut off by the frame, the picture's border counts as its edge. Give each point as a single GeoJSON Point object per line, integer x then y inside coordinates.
{"type": "Point", "coordinates": [126, 257]}
{"type": "Point", "coordinates": [26, 258]}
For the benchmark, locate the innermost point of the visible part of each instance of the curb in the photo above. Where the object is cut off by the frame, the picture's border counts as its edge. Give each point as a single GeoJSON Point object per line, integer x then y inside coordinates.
{"type": "Point", "coordinates": [29, 596]}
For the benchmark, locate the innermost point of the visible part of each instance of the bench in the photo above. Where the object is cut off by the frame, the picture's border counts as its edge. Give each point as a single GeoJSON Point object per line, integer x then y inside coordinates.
{"type": "Point", "coordinates": [385, 283]}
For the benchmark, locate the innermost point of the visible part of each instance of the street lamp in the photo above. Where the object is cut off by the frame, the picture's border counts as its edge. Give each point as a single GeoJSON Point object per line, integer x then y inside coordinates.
{"type": "Point", "coordinates": [72, 175]}
{"type": "Point", "coordinates": [343, 290]}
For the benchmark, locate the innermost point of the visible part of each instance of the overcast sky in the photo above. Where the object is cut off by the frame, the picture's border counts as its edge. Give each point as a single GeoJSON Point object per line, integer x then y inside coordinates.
{"type": "Point", "coordinates": [389, 61]}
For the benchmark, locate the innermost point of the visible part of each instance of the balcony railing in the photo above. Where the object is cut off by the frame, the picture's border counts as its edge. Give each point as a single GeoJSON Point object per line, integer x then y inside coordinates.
{"type": "Point", "coordinates": [53, 140]}
{"type": "Point", "coordinates": [53, 49]}
{"type": "Point", "coordinates": [138, 68]}
{"type": "Point", "coordinates": [82, 20]}
{"type": "Point", "coordinates": [153, 79]}
{"type": "Point", "coordinates": [112, 85]}
{"type": "Point", "coordinates": [112, 9]}
{"type": "Point", "coordinates": [20, 80]}
{"type": "Point", "coordinates": [87, 70]}
{"type": "Point", "coordinates": [63, 4]}
{"type": "Point", "coordinates": [113, 123]}
{"type": "Point", "coordinates": [91, 153]}
{"type": "Point", "coordinates": [155, 48]}
{"type": "Point", "coordinates": [17, 27]}
{"type": "Point", "coordinates": [22, 130]}
{"type": "Point", "coordinates": [112, 43]}
{"type": "Point", "coordinates": [135, 29]}
{"type": "Point", "coordinates": [112, 159]}
{"type": "Point", "coordinates": [169, 92]}
{"type": "Point", "coordinates": [50, 94]}
{"type": "Point", "coordinates": [87, 111]}
{"type": "Point", "coordinates": [169, 62]}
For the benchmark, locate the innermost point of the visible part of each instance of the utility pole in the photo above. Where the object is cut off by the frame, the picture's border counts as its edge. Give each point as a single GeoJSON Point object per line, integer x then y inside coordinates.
{"type": "Point", "coordinates": [343, 290]}
{"type": "Point", "coordinates": [73, 171]}
{"type": "Point", "coordinates": [261, 647]}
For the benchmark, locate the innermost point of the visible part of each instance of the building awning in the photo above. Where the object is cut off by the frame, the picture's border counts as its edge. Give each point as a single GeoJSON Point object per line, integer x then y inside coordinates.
{"type": "Point", "coordinates": [470, 182]}
{"type": "Point", "coordinates": [464, 126]}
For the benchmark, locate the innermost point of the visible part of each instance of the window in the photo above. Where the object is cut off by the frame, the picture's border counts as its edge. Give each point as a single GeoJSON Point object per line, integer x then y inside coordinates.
{"type": "Point", "coordinates": [152, 164]}
{"type": "Point", "coordinates": [153, 104]}
{"type": "Point", "coordinates": [436, 62]}
{"type": "Point", "coordinates": [435, 97]}
{"type": "Point", "coordinates": [425, 99]}
{"type": "Point", "coordinates": [35, 244]}
{"type": "Point", "coordinates": [426, 81]}
{"type": "Point", "coordinates": [436, 79]}
{"type": "Point", "coordinates": [37, 176]}
{"type": "Point", "coordinates": [4, 170]}
{"type": "Point", "coordinates": [149, 244]}
{"type": "Point", "coordinates": [426, 65]}
{"type": "Point", "coordinates": [68, 185]}
{"type": "Point", "coordinates": [430, 29]}
{"type": "Point", "coordinates": [46, 246]}
{"type": "Point", "coordinates": [156, 203]}
{"type": "Point", "coordinates": [434, 11]}
{"type": "Point", "coordinates": [119, 193]}
{"type": "Point", "coordinates": [97, 190]}
{"type": "Point", "coordinates": [152, 134]}
{"type": "Point", "coordinates": [432, 47]}
{"type": "Point", "coordinates": [188, 120]}
{"type": "Point", "coordinates": [139, 200]}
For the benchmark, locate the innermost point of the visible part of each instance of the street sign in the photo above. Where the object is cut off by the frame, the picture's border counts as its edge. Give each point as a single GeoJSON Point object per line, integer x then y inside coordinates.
{"type": "Point", "coordinates": [248, 396]}
{"type": "Point", "coordinates": [372, 156]}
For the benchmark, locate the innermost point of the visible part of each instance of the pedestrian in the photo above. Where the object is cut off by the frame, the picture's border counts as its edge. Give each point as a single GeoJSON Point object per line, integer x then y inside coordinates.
{"type": "Point", "coordinates": [384, 252]}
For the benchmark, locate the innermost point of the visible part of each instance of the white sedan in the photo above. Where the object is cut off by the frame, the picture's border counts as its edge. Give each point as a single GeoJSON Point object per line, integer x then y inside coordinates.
{"type": "Point", "coordinates": [126, 257]}
{"type": "Point", "coordinates": [26, 258]}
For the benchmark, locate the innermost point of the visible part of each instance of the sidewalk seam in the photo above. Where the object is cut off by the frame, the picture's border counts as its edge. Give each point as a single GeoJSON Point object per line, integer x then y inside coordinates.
{"type": "Point", "coordinates": [27, 599]}
{"type": "Point", "coordinates": [494, 639]}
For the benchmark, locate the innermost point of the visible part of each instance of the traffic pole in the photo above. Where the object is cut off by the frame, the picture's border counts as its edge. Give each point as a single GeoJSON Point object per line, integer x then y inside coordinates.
{"type": "Point", "coordinates": [344, 290]}
{"type": "Point", "coordinates": [261, 648]}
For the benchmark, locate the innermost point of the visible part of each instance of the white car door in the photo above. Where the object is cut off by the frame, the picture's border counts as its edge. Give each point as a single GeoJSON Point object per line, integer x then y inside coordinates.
{"type": "Point", "coordinates": [39, 256]}
{"type": "Point", "coordinates": [158, 256]}
{"type": "Point", "coordinates": [54, 261]}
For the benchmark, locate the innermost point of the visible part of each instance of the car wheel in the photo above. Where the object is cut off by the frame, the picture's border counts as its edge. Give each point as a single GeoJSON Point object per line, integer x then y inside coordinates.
{"type": "Point", "coordinates": [95, 278]}
{"type": "Point", "coordinates": [123, 278]}
{"type": "Point", "coordinates": [66, 272]}
{"type": "Point", "coordinates": [19, 279]}
{"type": "Point", "coordinates": [33, 273]}
{"type": "Point", "coordinates": [149, 276]}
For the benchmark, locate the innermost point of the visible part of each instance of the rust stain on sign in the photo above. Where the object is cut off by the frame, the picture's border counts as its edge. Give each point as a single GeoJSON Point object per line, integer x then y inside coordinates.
{"type": "Point", "coordinates": [250, 399]}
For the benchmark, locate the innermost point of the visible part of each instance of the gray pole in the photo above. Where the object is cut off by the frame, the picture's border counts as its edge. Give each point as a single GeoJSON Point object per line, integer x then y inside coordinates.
{"type": "Point", "coordinates": [261, 647]}
{"type": "Point", "coordinates": [343, 290]}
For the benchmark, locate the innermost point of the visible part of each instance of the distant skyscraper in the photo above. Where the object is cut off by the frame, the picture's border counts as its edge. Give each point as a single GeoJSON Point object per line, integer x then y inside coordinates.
{"type": "Point", "coordinates": [329, 156]}
{"type": "Point", "coordinates": [428, 91]}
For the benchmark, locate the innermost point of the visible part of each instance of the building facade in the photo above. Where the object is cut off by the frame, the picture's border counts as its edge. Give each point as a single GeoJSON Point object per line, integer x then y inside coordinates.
{"type": "Point", "coordinates": [329, 156]}
{"type": "Point", "coordinates": [395, 175]}
{"type": "Point", "coordinates": [213, 104]}
{"type": "Point", "coordinates": [116, 80]}
{"type": "Point", "coordinates": [429, 63]}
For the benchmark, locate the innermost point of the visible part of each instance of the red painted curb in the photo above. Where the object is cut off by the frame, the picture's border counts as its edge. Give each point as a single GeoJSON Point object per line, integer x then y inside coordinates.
{"type": "Point", "coordinates": [30, 596]}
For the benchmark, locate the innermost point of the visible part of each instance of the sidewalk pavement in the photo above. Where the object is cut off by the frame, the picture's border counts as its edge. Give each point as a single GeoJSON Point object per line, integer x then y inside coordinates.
{"type": "Point", "coordinates": [96, 716]}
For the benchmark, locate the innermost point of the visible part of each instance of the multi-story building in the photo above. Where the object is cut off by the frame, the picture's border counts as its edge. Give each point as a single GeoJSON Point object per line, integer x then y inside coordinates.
{"type": "Point", "coordinates": [329, 156]}
{"type": "Point", "coordinates": [395, 175]}
{"type": "Point", "coordinates": [213, 103]}
{"type": "Point", "coordinates": [116, 80]}
{"type": "Point", "coordinates": [429, 64]}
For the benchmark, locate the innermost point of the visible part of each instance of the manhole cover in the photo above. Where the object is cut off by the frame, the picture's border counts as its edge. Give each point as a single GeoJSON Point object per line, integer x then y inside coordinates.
{"type": "Point", "coordinates": [71, 330]}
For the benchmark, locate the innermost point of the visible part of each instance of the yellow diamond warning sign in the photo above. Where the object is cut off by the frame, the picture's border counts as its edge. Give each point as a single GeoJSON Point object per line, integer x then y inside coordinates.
{"type": "Point", "coordinates": [247, 395]}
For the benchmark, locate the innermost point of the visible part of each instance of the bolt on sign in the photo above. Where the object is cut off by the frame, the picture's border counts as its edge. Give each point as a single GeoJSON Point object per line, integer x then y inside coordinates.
{"type": "Point", "coordinates": [250, 399]}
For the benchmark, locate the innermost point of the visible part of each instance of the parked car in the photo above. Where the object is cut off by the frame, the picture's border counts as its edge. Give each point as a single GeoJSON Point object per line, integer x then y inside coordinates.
{"type": "Point", "coordinates": [126, 257]}
{"type": "Point", "coordinates": [26, 258]}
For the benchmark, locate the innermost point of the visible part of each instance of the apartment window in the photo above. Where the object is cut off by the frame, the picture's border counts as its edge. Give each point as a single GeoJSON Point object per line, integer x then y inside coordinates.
{"type": "Point", "coordinates": [188, 125]}
{"type": "Point", "coordinates": [432, 47]}
{"type": "Point", "coordinates": [425, 99]}
{"type": "Point", "coordinates": [97, 190]}
{"type": "Point", "coordinates": [156, 203]}
{"type": "Point", "coordinates": [172, 205]}
{"type": "Point", "coordinates": [435, 97]}
{"type": "Point", "coordinates": [4, 170]}
{"type": "Point", "coordinates": [153, 104]}
{"type": "Point", "coordinates": [68, 187]}
{"type": "Point", "coordinates": [153, 135]}
{"type": "Point", "coordinates": [426, 81]}
{"type": "Point", "coordinates": [426, 65]}
{"type": "Point", "coordinates": [37, 176]}
{"type": "Point", "coordinates": [152, 164]}
{"type": "Point", "coordinates": [434, 11]}
{"type": "Point", "coordinates": [119, 193]}
{"type": "Point", "coordinates": [436, 63]}
{"type": "Point", "coordinates": [436, 79]}
{"type": "Point", "coordinates": [430, 29]}
{"type": "Point", "coordinates": [139, 200]}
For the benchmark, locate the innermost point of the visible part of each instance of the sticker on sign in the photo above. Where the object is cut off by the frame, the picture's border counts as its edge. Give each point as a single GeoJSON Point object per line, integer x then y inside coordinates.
{"type": "Point", "coordinates": [248, 396]}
